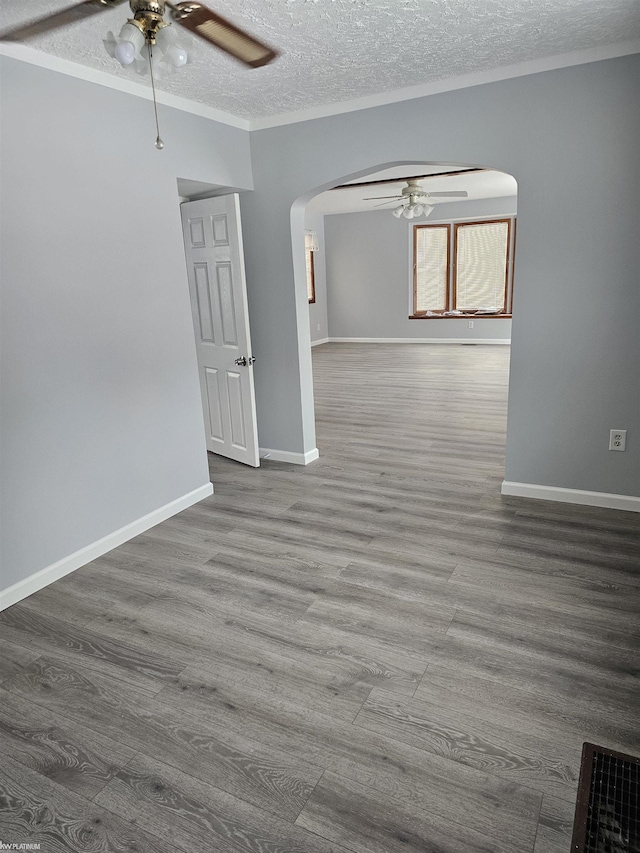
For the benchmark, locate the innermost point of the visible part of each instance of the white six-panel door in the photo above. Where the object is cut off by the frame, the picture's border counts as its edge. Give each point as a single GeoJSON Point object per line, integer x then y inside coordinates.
{"type": "Point", "coordinates": [217, 286]}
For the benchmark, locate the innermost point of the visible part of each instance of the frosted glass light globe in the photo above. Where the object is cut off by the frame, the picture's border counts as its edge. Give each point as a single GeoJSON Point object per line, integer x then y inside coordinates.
{"type": "Point", "coordinates": [125, 52]}
{"type": "Point", "coordinates": [128, 43]}
{"type": "Point", "coordinates": [177, 56]}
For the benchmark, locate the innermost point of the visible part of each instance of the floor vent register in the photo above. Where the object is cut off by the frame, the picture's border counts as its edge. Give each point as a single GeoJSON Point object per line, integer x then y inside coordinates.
{"type": "Point", "coordinates": [607, 818]}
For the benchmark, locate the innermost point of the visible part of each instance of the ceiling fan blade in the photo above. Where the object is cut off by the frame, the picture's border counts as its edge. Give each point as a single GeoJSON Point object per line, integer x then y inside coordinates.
{"type": "Point", "coordinates": [379, 197]}
{"type": "Point", "coordinates": [59, 19]}
{"type": "Point", "coordinates": [453, 194]}
{"type": "Point", "coordinates": [222, 33]}
{"type": "Point", "coordinates": [384, 202]}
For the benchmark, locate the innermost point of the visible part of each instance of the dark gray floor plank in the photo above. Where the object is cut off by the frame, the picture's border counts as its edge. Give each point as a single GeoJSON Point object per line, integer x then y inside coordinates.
{"type": "Point", "coordinates": [147, 546]}
{"type": "Point", "coordinates": [545, 580]}
{"type": "Point", "coordinates": [589, 661]}
{"type": "Point", "coordinates": [567, 683]}
{"type": "Point", "coordinates": [299, 570]}
{"type": "Point", "coordinates": [249, 654]}
{"type": "Point", "coordinates": [555, 826]}
{"type": "Point", "coordinates": [14, 655]}
{"type": "Point", "coordinates": [64, 751]}
{"type": "Point", "coordinates": [436, 543]}
{"type": "Point", "coordinates": [266, 777]}
{"type": "Point", "coordinates": [35, 810]}
{"type": "Point", "coordinates": [81, 596]}
{"type": "Point", "coordinates": [140, 668]}
{"type": "Point", "coordinates": [367, 822]}
{"type": "Point", "coordinates": [407, 623]}
{"type": "Point", "coordinates": [164, 800]}
{"type": "Point", "coordinates": [544, 764]}
{"type": "Point", "coordinates": [550, 611]}
{"type": "Point", "coordinates": [377, 761]}
{"type": "Point", "coordinates": [330, 658]}
{"type": "Point", "coordinates": [527, 708]}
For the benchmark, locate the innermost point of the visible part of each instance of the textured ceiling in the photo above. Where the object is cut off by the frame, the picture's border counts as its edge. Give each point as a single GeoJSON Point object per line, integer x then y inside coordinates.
{"type": "Point", "coordinates": [337, 50]}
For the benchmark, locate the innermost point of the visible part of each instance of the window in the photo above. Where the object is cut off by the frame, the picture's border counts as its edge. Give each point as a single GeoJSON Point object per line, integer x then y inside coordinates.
{"type": "Point", "coordinates": [311, 281]}
{"type": "Point", "coordinates": [310, 246]}
{"type": "Point", "coordinates": [477, 283]}
{"type": "Point", "coordinates": [431, 268]}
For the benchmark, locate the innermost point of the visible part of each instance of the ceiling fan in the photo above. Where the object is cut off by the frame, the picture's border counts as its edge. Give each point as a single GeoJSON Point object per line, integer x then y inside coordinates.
{"type": "Point", "coordinates": [414, 200]}
{"type": "Point", "coordinates": [148, 27]}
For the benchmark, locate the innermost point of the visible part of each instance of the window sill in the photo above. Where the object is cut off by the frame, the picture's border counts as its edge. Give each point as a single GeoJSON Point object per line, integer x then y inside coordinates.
{"type": "Point", "coordinates": [460, 316]}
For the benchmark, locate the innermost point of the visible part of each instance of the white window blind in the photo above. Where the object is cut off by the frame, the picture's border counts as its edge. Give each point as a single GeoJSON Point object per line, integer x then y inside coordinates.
{"type": "Point", "coordinates": [431, 259]}
{"type": "Point", "coordinates": [481, 265]}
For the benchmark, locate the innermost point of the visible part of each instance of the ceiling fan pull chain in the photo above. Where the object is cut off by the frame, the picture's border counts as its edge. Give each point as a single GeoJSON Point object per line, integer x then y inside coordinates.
{"type": "Point", "coordinates": [159, 142]}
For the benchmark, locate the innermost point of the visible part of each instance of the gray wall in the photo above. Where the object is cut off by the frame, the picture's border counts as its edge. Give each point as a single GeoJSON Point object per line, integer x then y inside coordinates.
{"type": "Point", "coordinates": [369, 278]}
{"type": "Point", "coordinates": [101, 413]}
{"type": "Point", "coordinates": [569, 137]}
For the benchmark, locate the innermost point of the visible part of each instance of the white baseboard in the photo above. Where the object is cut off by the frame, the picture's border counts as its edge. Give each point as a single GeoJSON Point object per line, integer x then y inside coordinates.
{"type": "Point", "coordinates": [320, 341]}
{"type": "Point", "coordinates": [571, 496]}
{"type": "Point", "coordinates": [22, 589]}
{"type": "Point", "coordinates": [502, 341]}
{"type": "Point", "coordinates": [288, 456]}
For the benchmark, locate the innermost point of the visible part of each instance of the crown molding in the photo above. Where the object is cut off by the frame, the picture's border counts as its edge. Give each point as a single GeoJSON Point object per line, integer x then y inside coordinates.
{"type": "Point", "coordinates": [73, 69]}
{"type": "Point", "coordinates": [507, 72]}
{"type": "Point", "coordinates": [92, 75]}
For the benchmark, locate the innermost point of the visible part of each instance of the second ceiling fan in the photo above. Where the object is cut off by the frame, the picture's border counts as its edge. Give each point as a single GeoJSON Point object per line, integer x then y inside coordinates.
{"type": "Point", "coordinates": [415, 200]}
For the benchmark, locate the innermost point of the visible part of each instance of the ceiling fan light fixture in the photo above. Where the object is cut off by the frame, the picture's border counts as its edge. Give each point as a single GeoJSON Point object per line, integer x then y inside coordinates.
{"type": "Point", "coordinates": [128, 44]}
{"type": "Point", "coordinates": [148, 29]}
{"type": "Point", "coordinates": [397, 211]}
{"type": "Point", "coordinates": [408, 212]}
{"type": "Point", "coordinates": [172, 51]}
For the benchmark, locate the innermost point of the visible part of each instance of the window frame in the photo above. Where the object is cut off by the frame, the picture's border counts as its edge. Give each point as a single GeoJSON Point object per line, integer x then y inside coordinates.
{"type": "Point", "coordinates": [447, 299]}
{"type": "Point", "coordinates": [311, 276]}
{"type": "Point", "coordinates": [452, 260]}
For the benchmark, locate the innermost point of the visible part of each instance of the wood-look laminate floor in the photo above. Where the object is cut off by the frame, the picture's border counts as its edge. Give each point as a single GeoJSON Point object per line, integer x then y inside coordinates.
{"type": "Point", "coordinates": [375, 653]}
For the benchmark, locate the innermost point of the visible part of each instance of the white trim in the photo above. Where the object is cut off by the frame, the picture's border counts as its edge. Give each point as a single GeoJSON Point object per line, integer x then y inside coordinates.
{"type": "Point", "coordinates": [21, 589]}
{"type": "Point", "coordinates": [122, 84]}
{"type": "Point", "coordinates": [503, 341]}
{"type": "Point", "coordinates": [571, 496]}
{"type": "Point", "coordinates": [289, 456]}
{"type": "Point", "coordinates": [507, 72]}
{"type": "Point", "coordinates": [472, 218]}
{"type": "Point", "coordinates": [464, 81]}
{"type": "Point", "coordinates": [320, 341]}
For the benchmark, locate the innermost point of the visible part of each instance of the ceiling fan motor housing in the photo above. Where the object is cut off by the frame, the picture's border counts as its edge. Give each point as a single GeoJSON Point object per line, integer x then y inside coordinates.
{"type": "Point", "coordinates": [413, 188]}
{"type": "Point", "coordinates": [148, 16]}
{"type": "Point", "coordinates": [153, 6]}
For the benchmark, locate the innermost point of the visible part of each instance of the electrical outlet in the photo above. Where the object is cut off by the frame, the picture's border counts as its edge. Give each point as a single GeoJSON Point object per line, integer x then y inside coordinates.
{"type": "Point", "coordinates": [618, 439]}
{"type": "Point", "coordinates": [471, 324]}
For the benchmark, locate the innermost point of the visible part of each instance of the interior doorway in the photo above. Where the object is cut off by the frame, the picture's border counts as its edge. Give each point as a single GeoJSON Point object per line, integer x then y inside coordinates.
{"type": "Point", "coordinates": [366, 263]}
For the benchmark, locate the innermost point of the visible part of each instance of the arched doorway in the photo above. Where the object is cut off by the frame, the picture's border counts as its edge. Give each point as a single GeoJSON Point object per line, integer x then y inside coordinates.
{"type": "Point", "coordinates": [366, 267]}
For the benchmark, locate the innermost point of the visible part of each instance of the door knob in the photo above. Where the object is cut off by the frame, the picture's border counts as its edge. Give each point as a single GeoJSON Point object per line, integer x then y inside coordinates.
{"type": "Point", "coordinates": [252, 359]}
{"type": "Point", "coordinates": [241, 362]}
